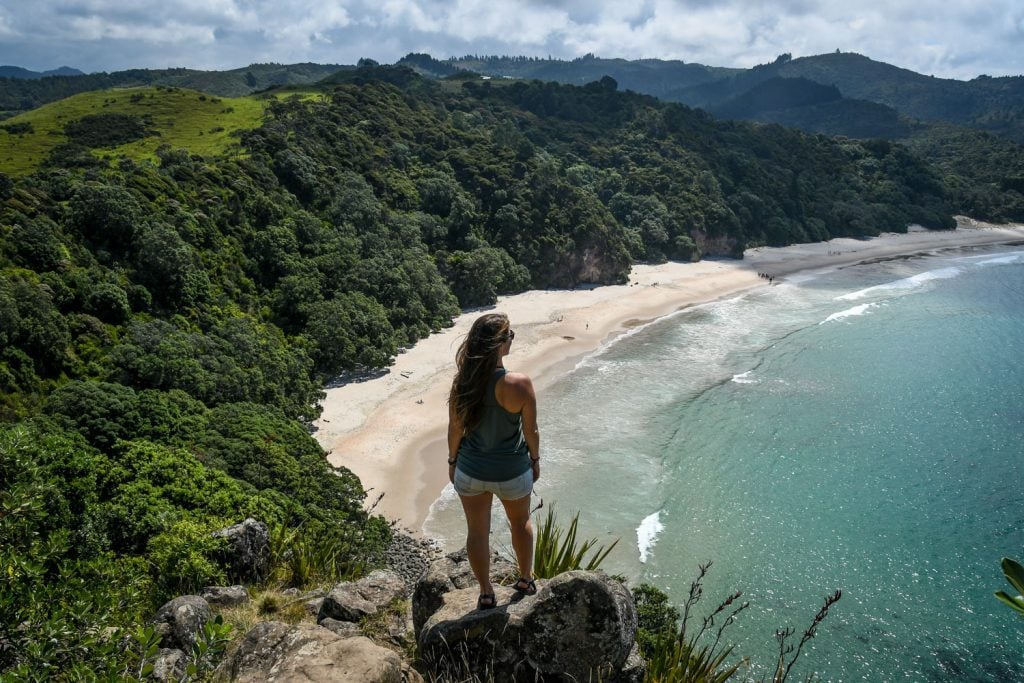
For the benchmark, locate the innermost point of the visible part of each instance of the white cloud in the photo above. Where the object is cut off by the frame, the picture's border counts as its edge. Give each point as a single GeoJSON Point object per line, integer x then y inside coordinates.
{"type": "Point", "coordinates": [959, 38]}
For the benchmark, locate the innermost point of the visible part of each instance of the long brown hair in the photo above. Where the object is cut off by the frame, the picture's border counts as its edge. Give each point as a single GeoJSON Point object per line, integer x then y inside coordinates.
{"type": "Point", "coordinates": [476, 360]}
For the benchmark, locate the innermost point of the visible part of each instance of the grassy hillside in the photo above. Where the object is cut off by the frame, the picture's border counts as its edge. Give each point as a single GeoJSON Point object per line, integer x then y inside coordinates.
{"type": "Point", "coordinates": [185, 119]}
{"type": "Point", "coordinates": [18, 95]}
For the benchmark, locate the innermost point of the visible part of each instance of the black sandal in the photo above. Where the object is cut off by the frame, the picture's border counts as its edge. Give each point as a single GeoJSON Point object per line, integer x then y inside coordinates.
{"type": "Point", "coordinates": [486, 601]}
{"type": "Point", "coordinates": [526, 586]}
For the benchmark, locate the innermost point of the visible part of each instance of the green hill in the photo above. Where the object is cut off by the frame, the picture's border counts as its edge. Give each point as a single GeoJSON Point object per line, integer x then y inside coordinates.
{"type": "Point", "coordinates": [166, 116]}
{"type": "Point", "coordinates": [18, 72]}
{"type": "Point", "coordinates": [991, 104]}
{"type": "Point", "coordinates": [18, 95]}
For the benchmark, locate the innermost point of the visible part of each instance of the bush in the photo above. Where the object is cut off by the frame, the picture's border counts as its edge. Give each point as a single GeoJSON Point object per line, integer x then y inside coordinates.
{"type": "Point", "coordinates": [109, 303]}
{"type": "Point", "coordinates": [183, 556]}
{"type": "Point", "coordinates": [102, 412]}
{"type": "Point", "coordinates": [106, 130]}
{"type": "Point", "coordinates": [60, 611]}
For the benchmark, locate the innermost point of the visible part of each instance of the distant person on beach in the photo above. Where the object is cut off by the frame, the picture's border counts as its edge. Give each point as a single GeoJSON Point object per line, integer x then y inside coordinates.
{"type": "Point", "coordinates": [493, 448]}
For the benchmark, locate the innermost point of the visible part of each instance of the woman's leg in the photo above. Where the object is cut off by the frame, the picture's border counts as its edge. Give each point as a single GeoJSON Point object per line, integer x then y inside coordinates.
{"type": "Point", "coordinates": [518, 512]}
{"type": "Point", "coordinates": [478, 532]}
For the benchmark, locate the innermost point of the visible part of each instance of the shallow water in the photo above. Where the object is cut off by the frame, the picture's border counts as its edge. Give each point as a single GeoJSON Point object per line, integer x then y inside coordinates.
{"type": "Point", "coordinates": [861, 430]}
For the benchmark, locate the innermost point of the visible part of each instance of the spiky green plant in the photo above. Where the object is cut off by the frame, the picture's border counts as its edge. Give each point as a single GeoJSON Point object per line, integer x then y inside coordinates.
{"type": "Point", "coordinates": [300, 556]}
{"type": "Point", "coordinates": [558, 550]}
{"type": "Point", "coordinates": [687, 657]}
{"type": "Point", "coordinates": [1014, 573]}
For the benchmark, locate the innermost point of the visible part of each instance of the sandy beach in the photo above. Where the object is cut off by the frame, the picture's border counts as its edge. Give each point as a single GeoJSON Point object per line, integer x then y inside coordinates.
{"type": "Point", "coordinates": [390, 429]}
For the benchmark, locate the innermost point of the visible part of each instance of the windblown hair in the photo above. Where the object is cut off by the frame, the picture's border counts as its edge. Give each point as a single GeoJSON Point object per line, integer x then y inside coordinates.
{"type": "Point", "coordinates": [476, 360]}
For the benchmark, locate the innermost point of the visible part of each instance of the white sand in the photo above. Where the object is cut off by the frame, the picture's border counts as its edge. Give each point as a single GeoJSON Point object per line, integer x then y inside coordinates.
{"type": "Point", "coordinates": [390, 430]}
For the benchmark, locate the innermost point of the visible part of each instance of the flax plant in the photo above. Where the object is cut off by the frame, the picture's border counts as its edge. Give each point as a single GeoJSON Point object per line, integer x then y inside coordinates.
{"type": "Point", "coordinates": [688, 657]}
{"type": "Point", "coordinates": [558, 550]}
{"type": "Point", "coordinates": [1014, 573]}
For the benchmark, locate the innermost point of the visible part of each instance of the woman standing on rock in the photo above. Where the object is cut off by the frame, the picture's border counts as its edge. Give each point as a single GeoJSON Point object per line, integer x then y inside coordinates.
{"type": "Point", "coordinates": [493, 448]}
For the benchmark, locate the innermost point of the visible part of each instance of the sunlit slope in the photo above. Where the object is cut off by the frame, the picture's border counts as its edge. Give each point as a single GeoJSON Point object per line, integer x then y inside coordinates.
{"type": "Point", "coordinates": [200, 123]}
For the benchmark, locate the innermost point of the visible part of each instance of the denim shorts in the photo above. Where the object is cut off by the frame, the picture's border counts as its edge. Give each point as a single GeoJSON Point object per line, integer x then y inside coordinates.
{"type": "Point", "coordinates": [513, 489]}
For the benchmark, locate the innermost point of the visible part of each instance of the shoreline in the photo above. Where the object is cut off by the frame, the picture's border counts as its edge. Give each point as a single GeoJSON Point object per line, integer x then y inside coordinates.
{"type": "Point", "coordinates": [390, 429]}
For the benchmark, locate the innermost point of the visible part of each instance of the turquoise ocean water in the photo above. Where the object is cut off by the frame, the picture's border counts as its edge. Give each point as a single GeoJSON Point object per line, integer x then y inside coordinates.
{"type": "Point", "coordinates": [860, 429]}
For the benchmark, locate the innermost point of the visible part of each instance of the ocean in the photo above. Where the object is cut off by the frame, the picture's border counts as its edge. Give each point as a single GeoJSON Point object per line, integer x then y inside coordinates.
{"type": "Point", "coordinates": [859, 429]}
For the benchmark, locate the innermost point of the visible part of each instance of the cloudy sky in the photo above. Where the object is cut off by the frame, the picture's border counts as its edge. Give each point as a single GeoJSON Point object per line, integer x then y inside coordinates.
{"type": "Point", "coordinates": [951, 38]}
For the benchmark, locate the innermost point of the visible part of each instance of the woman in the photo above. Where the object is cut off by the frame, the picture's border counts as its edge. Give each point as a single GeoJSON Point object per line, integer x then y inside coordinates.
{"type": "Point", "coordinates": [493, 448]}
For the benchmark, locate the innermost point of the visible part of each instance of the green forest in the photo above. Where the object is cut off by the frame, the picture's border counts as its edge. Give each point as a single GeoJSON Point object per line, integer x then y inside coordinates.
{"type": "Point", "coordinates": [167, 324]}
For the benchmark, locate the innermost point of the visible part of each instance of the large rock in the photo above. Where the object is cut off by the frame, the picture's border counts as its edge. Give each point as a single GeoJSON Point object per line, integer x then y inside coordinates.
{"type": "Point", "coordinates": [179, 621]}
{"type": "Point", "coordinates": [247, 555]}
{"type": "Point", "coordinates": [273, 652]}
{"type": "Point", "coordinates": [449, 573]}
{"type": "Point", "coordinates": [353, 600]}
{"type": "Point", "coordinates": [580, 626]}
{"type": "Point", "coordinates": [170, 665]}
{"type": "Point", "coordinates": [225, 596]}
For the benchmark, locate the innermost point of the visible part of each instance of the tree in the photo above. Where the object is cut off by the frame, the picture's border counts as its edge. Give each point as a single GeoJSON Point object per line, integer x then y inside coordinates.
{"type": "Point", "coordinates": [100, 411]}
{"type": "Point", "coordinates": [107, 216]}
{"type": "Point", "coordinates": [169, 268]}
{"type": "Point", "coordinates": [349, 331]}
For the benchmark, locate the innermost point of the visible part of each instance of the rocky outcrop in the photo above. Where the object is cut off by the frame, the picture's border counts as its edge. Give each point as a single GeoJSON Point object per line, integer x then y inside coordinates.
{"type": "Point", "coordinates": [225, 596]}
{"type": "Point", "coordinates": [450, 573]}
{"type": "Point", "coordinates": [580, 626]}
{"type": "Point", "coordinates": [179, 621]}
{"type": "Point", "coordinates": [273, 652]}
{"type": "Point", "coordinates": [247, 551]}
{"type": "Point", "coordinates": [354, 600]}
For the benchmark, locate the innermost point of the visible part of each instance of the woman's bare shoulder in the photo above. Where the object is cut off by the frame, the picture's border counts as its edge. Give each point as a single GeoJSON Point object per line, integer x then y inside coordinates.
{"type": "Point", "coordinates": [518, 381]}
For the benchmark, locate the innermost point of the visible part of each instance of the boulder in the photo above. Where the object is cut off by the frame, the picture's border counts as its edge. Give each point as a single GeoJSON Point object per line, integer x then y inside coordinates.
{"type": "Point", "coordinates": [449, 573]}
{"type": "Point", "coordinates": [345, 629]}
{"type": "Point", "coordinates": [247, 551]}
{"type": "Point", "coordinates": [579, 626]}
{"type": "Point", "coordinates": [354, 600]}
{"type": "Point", "coordinates": [169, 665]}
{"type": "Point", "coordinates": [634, 669]}
{"type": "Point", "coordinates": [225, 596]}
{"type": "Point", "coordinates": [274, 652]}
{"type": "Point", "coordinates": [179, 621]}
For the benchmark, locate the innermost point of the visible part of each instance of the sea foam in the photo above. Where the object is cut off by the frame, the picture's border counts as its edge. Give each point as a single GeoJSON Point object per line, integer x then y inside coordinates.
{"type": "Point", "coordinates": [906, 283]}
{"type": "Point", "coordinates": [647, 534]}
{"type": "Point", "coordinates": [860, 309]}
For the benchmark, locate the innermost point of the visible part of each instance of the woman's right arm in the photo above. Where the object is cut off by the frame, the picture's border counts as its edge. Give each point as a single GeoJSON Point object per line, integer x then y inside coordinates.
{"type": "Point", "coordinates": [531, 432]}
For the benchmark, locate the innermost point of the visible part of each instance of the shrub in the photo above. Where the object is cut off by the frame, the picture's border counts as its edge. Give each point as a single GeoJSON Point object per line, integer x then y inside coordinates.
{"type": "Point", "coordinates": [106, 130]}
{"type": "Point", "coordinates": [183, 556]}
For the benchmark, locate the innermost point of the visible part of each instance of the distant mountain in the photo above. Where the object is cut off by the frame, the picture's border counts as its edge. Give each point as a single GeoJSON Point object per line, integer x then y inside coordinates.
{"type": "Point", "coordinates": [648, 76]}
{"type": "Point", "coordinates": [816, 108]}
{"type": "Point", "coordinates": [899, 96]}
{"type": "Point", "coordinates": [837, 94]}
{"type": "Point", "coordinates": [18, 72]}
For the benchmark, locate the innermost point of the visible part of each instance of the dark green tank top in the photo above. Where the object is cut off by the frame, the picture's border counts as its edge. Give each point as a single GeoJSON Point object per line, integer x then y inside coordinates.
{"type": "Point", "coordinates": [495, 450]}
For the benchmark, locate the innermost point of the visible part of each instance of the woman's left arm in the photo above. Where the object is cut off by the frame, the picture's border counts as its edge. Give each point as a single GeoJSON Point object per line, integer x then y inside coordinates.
{"type": "Point", "coordinates": [454, 439]}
